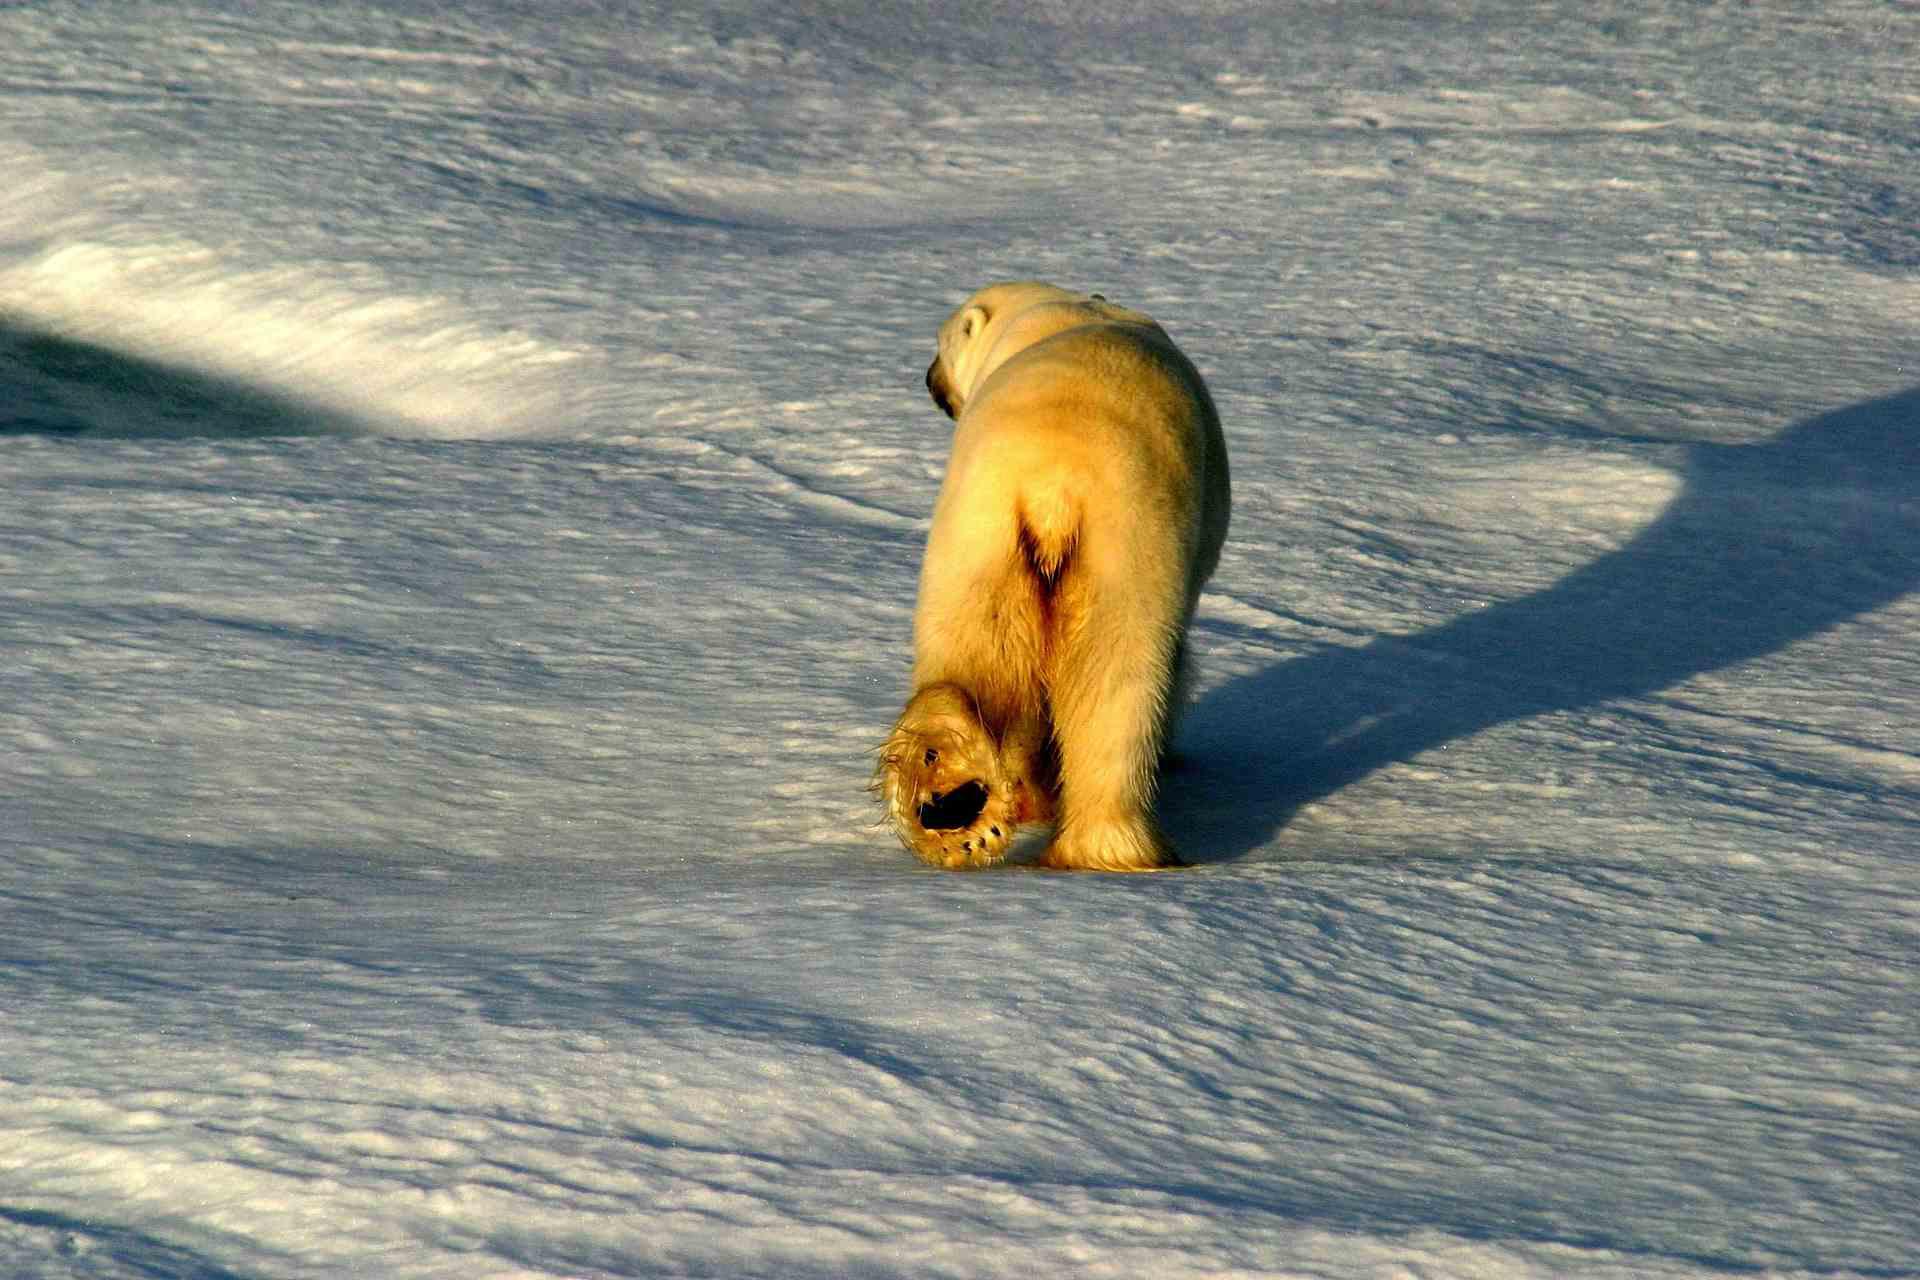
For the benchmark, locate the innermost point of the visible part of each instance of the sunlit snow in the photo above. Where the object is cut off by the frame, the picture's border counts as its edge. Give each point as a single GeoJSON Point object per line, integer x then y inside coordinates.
{"type": "Point", "coordinates": [462, 478]}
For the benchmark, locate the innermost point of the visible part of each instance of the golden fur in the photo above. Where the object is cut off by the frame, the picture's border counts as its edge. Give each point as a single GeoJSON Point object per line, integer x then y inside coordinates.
{"type": "Point", "coordinates": [1085, 503]}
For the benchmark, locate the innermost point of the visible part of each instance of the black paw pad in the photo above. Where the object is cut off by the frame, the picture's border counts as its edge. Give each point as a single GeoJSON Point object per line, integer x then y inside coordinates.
{"type": "Point", "coordinates": [956, 808]}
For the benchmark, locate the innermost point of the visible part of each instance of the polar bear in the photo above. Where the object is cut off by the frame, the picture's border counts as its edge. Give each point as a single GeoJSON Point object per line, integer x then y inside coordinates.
{"type": "Point", "coordinates": [1085, 502]}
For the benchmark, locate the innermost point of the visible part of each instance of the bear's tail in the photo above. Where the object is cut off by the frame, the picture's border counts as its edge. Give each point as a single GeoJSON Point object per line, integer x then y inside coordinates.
{"type": "Point", "coordinates": [1049, 531]}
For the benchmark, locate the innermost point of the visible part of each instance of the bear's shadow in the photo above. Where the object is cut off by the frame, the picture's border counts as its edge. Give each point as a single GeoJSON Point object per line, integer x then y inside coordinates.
{"type": "Point", "coordinates": [1764, 545]}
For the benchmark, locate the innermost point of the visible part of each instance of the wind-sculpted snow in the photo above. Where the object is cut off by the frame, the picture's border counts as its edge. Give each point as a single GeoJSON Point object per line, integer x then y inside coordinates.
{"type": "Point", "coordinates": [464, 475]}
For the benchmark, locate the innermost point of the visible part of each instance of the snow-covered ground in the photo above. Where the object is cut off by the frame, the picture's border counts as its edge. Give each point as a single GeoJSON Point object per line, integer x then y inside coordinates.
{"type": "Point", "coordinates": [462, 476]}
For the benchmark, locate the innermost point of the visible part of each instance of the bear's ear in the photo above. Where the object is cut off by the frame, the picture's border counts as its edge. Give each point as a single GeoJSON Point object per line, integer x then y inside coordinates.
{"type": "Point", "coordinates": [973, 321]}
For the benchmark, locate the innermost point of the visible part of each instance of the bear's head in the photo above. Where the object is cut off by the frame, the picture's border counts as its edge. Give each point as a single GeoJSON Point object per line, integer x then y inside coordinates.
{"type": "Point", "coordinates": [1001, 321]}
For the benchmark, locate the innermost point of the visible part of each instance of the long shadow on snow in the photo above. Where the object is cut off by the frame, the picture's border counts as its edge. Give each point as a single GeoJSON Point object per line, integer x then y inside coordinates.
{"type": "Point", "coordinates": [1766, 544]}
{"type": "Point", "coordinates": [55, 385]}
{"type": "Point", "coordinates": [146, 1255]}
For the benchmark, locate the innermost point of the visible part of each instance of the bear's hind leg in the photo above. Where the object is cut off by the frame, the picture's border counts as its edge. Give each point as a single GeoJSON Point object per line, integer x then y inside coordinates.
{"type": "Point", "coordinates": [1112, 683]}
{"type": "Point", "coordinates": [943, 784]}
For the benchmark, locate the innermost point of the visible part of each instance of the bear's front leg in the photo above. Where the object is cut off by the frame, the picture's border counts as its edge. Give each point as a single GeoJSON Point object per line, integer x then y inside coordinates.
{"type": "Point", "coordinates": [942, 782]}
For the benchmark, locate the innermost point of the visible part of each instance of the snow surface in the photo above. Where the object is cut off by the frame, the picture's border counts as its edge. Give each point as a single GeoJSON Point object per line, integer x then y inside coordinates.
{"type": "Point", "coordinates": [464, 470]}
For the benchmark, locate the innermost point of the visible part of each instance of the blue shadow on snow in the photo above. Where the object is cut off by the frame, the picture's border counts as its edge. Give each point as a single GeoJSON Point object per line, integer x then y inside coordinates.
{"type": "Point", "coordinates": [1766, 544]}
{"type": "Point", "coordinates": [51, 384]}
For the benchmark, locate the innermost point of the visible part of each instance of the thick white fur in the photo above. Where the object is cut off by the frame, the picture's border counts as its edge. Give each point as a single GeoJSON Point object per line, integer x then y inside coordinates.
{"type": "Point", "coordinates": [1084, 505]}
